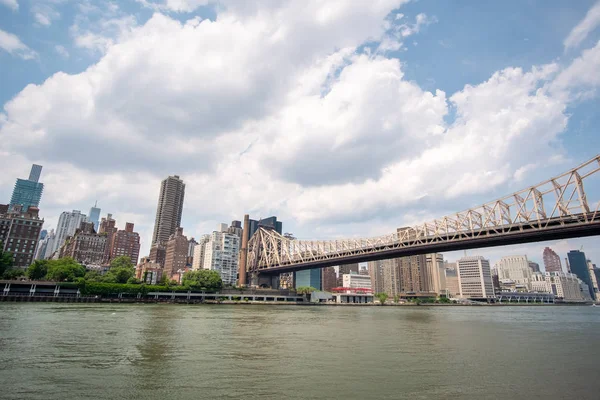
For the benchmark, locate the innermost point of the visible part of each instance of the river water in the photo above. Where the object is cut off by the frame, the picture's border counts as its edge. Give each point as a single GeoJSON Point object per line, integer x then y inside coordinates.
{"type": "Point", "coordinates": [91, 351]}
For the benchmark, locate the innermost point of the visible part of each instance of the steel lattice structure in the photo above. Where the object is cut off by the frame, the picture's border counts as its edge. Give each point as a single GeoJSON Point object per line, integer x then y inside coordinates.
{"type": "Point", "coordinates": [555, 208]}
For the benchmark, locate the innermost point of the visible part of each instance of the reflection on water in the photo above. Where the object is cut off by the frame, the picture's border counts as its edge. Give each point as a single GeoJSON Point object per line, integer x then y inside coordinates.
{"type": "Point", "coordinates": [76, 351]}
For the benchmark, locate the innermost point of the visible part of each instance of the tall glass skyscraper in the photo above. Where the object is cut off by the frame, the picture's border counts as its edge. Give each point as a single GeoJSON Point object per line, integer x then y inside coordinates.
{"type": "Point", "coordinates": [94, 216]}
{"type": "Point", "coordinates": [28, 192]}
{"type": "Point", "coordinates": [579, 267]}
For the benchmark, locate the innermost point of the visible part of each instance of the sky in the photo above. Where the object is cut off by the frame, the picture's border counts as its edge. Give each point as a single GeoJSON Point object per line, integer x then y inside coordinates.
{"type": "Point", "coordinates": [345, 118]}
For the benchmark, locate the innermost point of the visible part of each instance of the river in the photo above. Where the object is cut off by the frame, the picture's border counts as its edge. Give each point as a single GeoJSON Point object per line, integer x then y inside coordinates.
{"type": "Point", "coordinates": [152, 351]}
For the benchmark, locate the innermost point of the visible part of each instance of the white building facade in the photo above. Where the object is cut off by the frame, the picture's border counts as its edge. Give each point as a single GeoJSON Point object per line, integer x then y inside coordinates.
{"type": "Point", "coordinates": [68, 222]}
{"type": "Point", "coordinates": [515, 269]}
{"type": "Point", "coordinates": [564, 285]}
{"type": "Point", "coordinates": [221, 254]}
{"type": "Point", "coordinates": [199, 250]}
{"type": "Point", "coordinates": [475, 278]}
{"type": "Point", "coordinates": [356, 281]}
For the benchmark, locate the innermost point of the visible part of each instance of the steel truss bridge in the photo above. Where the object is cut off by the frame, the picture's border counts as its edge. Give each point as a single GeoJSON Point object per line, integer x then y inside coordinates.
{"type": "Point", "coordinates": [555, 209]}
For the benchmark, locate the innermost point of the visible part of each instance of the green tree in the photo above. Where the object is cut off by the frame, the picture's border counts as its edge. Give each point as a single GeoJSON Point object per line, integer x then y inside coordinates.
{"type": "Point", "coordinates": [121, 270]}
{"type": "Point", "coordinates": [202, 279]}
{"type": "Point", "coordinates": [133, 281]}
{"type": "Point", "coordinates": [64, 270]}
{"type": "Point", "coordinates": [13, 273]}
{"type": "Point", "coordinates": [305, 290]}
{"type": "Point", "coordinates": [6, 259]}
{"type": "Point", "coordinates": [164, 280]}
{"type": "Point", "coordinates": [93, 276]}
{"type": "Point", "coordinates": [37, 270]}
{"type": "Point", "coordinates": [396, 298]}
{"type": "Point", "coordinates": [382, 297]}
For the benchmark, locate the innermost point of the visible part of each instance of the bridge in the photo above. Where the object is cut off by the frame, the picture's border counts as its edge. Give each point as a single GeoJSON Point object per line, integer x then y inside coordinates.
{"type": "Point", "coordinates": [554, 209]}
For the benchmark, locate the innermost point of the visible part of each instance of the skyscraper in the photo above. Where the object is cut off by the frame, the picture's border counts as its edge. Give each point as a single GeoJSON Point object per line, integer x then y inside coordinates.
{"type": "Point", "coordinates": [551, 261]}
{"type": "Point", "coordinates": [68, 222]}
{"type": "Point", "coordinates": [475, 278]}
{"type": "Point", "coordinates": [579, 267]}
{"type": "Point", "coordinates": [94, 216]}
{"type": "Point", "coordinates": [108, 226]}
{"type": "Point", "coordinates": [221, 254]}
{"type": "Point", "coordinates": [28, 192]}
{"type": "Point", "coordinates": [376, 273]}
{"type": "Point", "coordinates": [309, 278]}
{"type": "Point", "coordinates": [328, 278]}
{"type": "Point", "coordinates": [169, 209]}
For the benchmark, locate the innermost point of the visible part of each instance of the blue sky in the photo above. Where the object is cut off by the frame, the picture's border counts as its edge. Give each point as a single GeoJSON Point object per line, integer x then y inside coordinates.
{"type": "Point", "coordinates": [321, 113]}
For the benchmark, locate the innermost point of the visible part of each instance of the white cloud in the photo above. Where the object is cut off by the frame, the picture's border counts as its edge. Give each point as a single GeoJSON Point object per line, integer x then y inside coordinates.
{"type": "Point", "coordinates": [12, 4]}
{"type": "Point", "coordinates": [584, 28]}
{"type": "Point", "coordinates": [45, 12]}
{"type": "Point", "coordinates": [13, 45]}
{"type": "Point", "coordinates": [61, 50]}
{"type": "Point", "coordinates": [276, 111]}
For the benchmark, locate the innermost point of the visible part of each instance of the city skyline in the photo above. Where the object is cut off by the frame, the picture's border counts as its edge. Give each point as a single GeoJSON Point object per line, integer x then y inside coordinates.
{"type": "Point", "coordinates": [249, 148]}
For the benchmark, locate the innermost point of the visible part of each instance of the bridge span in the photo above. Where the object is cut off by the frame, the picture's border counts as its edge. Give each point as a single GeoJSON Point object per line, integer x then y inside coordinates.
{"type": "Point", "coordinates": [554, 209]}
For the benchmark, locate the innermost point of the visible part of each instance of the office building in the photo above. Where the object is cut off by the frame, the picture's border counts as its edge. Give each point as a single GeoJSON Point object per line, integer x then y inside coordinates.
{"type": "Point", "coordinates": [86, 246]}
{"type": "Point", "coordinates": [44, 245]}
{"type": "Point", "coordinates": [565, 286]}
{"type": "Point", "coordinates": [452, 285]}
{"type": "Point", "coordinates": [579, 266]}
{"type": "Point", "coordinates": [19, 233]}
{"type": "Point", "coordinates": [328, 278]}
{"type": "Point", "coordinates": [356, 281]}
{"type": "Point", "coordinates": [169, 209]}
{"type": "Point", "coordinates": [191, 247]}
{"type": "Point", "coordinates": [475, 278]}
{"type": "Point", "coordinates": [175, 253]}
{"type": "Point", "coordinates": [268, 223]}
{"type": "Point", "coordinates": [594, 277]}
{"type": "Point", "coordinates": [433, 276]}
{"type": "Point", "coordinates": [412, 273]}
{"type": "Point", "coordinates": [68, 223]}
{"type": "Point", "coordinates": [309, 278]}
{"type": "Point", "coordinates": [515, 269]}
{"type": "Point", "coordinates": [94, 216]}
{"type": "Point", "coordinates": [221, 254]}
{"type": "Point", "coordinates": [551, 261]}
{"type": "Point", "coordinates": [28, 192]}
{"type": "Point", "coordinates": [125, 243]}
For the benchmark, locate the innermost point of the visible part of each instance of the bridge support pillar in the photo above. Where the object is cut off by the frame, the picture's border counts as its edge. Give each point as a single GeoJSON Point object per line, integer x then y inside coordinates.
{"type": "Point", "coordinates": [271, 281]}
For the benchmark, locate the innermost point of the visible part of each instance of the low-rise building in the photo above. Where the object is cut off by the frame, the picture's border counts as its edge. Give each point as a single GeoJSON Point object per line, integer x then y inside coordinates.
{"type": "Point", "coordinates": [20, 232]}
{"type": "Point", "coordinates": [148, 271]}
{"type": "Point", "coordinates": [86, 247]}
{"type": "Point", "coordinates": [356, 281]}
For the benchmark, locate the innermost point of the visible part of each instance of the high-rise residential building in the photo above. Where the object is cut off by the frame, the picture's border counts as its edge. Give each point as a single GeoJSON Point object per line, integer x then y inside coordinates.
{"type": "Point", "coordinates": [328, 278]}
{"type": "Point", "coordinates": [125, 243]}
{"type": "Point", "coordinates": [578, 265]}
{"type": "Point", "coordinates": [169, 209]}
{"type": "Point", "coordinates": [535, 267]}
{"type": "Point", "coordinates": [94, 216]}
{"type": "Point", "coordinates": [87, 247]}
{"type": "Point", "coordinates": [346, 269]}
{"type": "Point", "coordinates": [376, 272]}
{"type": "Point", "coordinates": [28, 192]}
{"type": "Point", "coordinates": [412, 274]}
{"type": "Point", "coordinates": [433, 276]}
{"type": "Point", "coordinates": [236, 229]}
{"type": "Point", "coordinates": [176, 253]}
{"type": "Point", "coordinates": [221, 254]}
{"type": "Point", "coordinates": [356, 281]}
{"type": "Point", "coordinates": [594, 278]}
{"type": "Point", "coordinates": [475, 278]}
{"type": "Point", "coordinates": [19, 233]}
{"type": "Point", "coordinates": [191, 247]}
{"type": "Point", "coordinates": [68, 222]}
{"type": "Point", "coordinates": [391, 277]}
{"type": "Point", "coordinates": [515, 269]}
{"type": "Point", "coordinates": [108, 227]}
{"type": "Point", "coordinates": [158, 252]}
{"type": "Point", "coordinates": [199, 250]}
{"type": "Point", "coordinates": [309, 278]}
{"type": "Point", "coordinates": [551, 261]}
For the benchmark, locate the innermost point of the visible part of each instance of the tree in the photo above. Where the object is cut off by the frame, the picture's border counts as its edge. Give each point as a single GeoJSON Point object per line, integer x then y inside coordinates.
{"type": "Point", "coordinates": [396, 298]}
{"type": "Point", "coordinates": [93, 276]}
{"type": "Point", "coordinates": [12, 273]}
{"type": "Point", "coordinates": [382, 297]}
{"type": "Point", "coordinates": [37, 270]}
{"type": "Point", "coordinates": [305, 290]}
{"type": "Point", "coordinates": [133, 281]}
{"type": "Point", "coordinates": [64, 270]}
{"type": "Point", "coordinates": [164, 280]}
{"type": "Point", "coordinates": [202, 279]}
{"type": "Point", "coordinates": [6, 259]}
{"type": "Point", "coordinates": [121, 270]}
